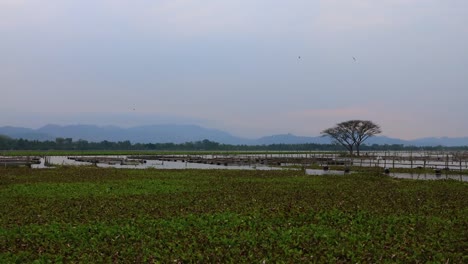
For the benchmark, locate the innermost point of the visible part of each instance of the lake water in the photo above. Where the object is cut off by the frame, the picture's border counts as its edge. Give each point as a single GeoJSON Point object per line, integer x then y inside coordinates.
{"type": "Point", "coordinates": [325, 172]}
{"type": "Point", "coordinates": [429, 176]}
{"type": "Point", "coordinates": [413, 176]}
{"type": "Point", "coordinates": [156, 164]}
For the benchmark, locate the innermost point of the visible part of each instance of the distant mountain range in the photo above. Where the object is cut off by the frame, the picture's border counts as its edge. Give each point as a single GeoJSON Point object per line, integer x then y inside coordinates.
{"type": "Point", "coordinates": [187, 133]}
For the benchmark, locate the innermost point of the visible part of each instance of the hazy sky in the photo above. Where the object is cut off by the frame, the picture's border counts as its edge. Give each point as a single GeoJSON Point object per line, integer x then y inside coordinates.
{"type": "Point", "coordinates": [234, 65]}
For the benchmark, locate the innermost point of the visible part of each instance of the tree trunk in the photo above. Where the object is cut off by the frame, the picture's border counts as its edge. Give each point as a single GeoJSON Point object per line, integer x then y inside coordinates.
{"type": "Point", "coordinates": [350, 149]}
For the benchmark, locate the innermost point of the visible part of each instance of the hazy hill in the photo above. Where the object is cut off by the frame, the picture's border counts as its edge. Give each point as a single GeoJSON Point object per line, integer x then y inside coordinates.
{"type": "Point", "coordinates": [25, 133]}
{"type": "Point", "coordinates": [186, 133]}
{"type": "Point", "coordinates": [141, 134]}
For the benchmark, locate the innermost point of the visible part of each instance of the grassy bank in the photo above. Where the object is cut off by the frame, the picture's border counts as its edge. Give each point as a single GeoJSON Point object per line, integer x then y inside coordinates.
{"type": "Point", "coordinates": [85, 214]}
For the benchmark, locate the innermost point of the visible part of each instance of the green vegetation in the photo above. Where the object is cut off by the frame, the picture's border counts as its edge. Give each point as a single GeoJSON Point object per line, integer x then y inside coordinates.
{"type": "Point", "coordinates": [67, 144]}
{"type": "Point", "coordinates": [89, 215]}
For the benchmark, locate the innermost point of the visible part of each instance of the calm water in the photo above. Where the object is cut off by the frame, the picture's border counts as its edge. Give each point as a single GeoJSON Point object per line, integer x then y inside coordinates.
{"type": "Point", "coordinates": [62, 160]}
{"type": "Point", "coordinates": [414, 176]}
{"type": "Point", "coordinates": [429, 176]}
{"type": "Point", "coordinates": [323, 172]}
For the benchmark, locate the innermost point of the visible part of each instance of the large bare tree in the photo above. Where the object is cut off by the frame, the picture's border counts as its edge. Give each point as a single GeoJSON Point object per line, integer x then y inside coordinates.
{"type": "Point", "coordinates": [352, 133]}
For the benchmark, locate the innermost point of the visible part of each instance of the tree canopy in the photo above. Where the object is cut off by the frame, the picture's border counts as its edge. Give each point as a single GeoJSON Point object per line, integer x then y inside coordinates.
{"type": "Point", "coordinates": [352, 133]}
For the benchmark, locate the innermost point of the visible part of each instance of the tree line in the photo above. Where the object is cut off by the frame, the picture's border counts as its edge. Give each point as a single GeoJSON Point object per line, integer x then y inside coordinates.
{"type": "Point", "coordinates": [7, 143]}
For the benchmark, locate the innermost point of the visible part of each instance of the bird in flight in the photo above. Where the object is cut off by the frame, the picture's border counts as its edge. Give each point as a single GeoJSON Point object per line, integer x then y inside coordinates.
{"type": "Point", "coordinates": [354, 59]}
{"type": "Point", "coordinates": [299, 57]}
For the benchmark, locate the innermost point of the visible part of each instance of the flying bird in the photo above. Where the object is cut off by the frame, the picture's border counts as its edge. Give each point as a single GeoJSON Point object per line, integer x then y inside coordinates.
{"type": "Point", "coordinates": [354, 59]}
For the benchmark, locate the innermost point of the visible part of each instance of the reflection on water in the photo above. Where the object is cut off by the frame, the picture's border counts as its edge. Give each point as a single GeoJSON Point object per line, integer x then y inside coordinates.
{"type": "Point", "coordinates": [325, 172]}
{"type": "Point", "coordinates": [429, 176]}
{"type": "Point", "coordinates": [414, 176]}
{"type": "Point", "coordinates": [156, 164]}
{"type": "Point", "coordinates": [184, 165]}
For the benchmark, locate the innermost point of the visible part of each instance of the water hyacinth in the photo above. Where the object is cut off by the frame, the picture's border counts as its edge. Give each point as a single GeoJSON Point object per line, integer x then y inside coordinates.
{"type": "Point", "coordinates": [88, 214]}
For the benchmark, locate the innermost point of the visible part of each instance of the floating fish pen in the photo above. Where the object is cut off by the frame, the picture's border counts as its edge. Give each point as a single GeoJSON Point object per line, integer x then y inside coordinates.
{"type": "Point", "coordinates": [19, 161]}
{"type": "Point", "coordinates": [237, 160]}
{"type": "Point", "coordinates": [108, 160]}
{"type": "Point", "coordinates": [413, 160]}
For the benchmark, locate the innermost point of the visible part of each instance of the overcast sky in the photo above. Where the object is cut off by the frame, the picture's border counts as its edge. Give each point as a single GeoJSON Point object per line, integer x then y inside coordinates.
{"type": "Point", "coordinates": [252, 68]}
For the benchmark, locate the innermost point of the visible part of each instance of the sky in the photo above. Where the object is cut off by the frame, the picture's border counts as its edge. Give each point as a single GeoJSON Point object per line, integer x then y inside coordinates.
{"type": "Point", "coordinates": [252, 68]}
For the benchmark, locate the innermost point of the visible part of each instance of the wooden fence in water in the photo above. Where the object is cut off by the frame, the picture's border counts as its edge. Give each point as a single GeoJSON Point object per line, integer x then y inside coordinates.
{"type": "Point", "coordinates": [450, 161]}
